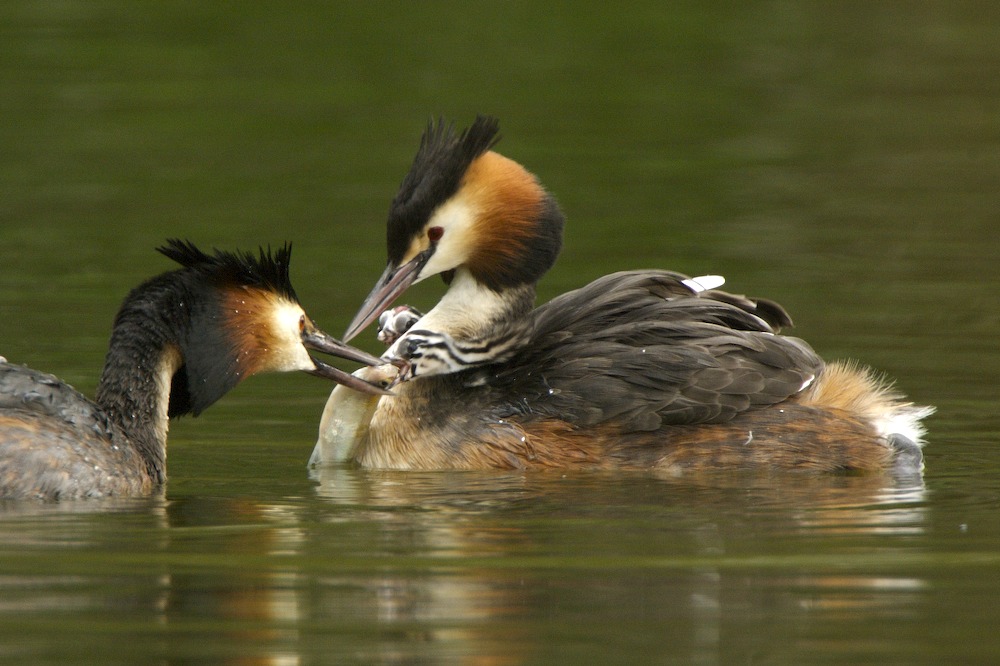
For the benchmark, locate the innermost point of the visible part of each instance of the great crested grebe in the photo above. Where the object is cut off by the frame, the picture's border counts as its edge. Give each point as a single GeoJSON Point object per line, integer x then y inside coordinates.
{"type": "Point", "coordinates": [180, 341]}
{"type": "Point", "coordinates": [640, 369]}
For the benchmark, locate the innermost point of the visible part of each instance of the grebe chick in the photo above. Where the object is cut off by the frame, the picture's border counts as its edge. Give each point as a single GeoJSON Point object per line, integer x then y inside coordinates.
{"type": "Point", "coordinates": [179, 342]}
{"type": "Point", "coordinates": [640, 369]}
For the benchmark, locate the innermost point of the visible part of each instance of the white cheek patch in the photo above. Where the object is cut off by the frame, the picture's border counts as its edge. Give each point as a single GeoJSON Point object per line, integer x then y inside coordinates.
{"type": "Point", "coordinates": [456, 217]}
{"type": "Point", "coordinates": [287, 352]}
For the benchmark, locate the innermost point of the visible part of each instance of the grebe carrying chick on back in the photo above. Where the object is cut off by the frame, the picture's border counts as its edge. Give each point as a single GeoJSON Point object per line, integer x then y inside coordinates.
{"type": "Point", "coordinates": [180, 341]}
{"type": "Point", "coordinates": [643, 369]}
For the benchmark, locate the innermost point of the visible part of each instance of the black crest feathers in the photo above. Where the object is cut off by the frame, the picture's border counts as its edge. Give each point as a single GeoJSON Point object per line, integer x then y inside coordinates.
{"type": "Point", "coordinates": [265, 271]}
{"type": "Point", "coordinates": [436, 173]}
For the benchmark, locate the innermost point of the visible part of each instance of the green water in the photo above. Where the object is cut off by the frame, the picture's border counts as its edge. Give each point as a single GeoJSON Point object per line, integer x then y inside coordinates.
{"type": "Point", "coordinates": [841, 158]}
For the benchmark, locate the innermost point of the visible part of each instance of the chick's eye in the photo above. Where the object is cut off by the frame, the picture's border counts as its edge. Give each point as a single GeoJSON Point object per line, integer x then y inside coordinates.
{"type": "Point", "coordinates": [434, 234]}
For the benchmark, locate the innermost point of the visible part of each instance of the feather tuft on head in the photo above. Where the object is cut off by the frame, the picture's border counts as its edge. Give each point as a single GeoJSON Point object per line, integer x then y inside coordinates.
{"type": "Point", "coordinates": [267, 271]}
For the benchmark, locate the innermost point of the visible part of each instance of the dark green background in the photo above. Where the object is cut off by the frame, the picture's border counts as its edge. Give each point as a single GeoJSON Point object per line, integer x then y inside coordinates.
{"type": "Point", "coordinates": [841, 158]}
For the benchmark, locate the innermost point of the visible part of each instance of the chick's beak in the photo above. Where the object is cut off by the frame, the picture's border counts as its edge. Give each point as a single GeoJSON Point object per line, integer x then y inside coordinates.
{"type": "Point", "coordinates": [317, 340]}
{"type": "Point", "coordinates": [393, 282]}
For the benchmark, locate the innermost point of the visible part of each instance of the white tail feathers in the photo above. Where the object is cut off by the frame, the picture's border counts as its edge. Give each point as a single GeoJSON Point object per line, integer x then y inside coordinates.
{"type": "Point", "coordinates": [854, 389]}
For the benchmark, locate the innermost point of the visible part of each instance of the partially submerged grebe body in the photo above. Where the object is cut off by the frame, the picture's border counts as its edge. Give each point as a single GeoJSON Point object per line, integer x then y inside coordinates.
{"type": "Point", "coordinates": [179, 342]}
{"type": "Point", "coordinates": [638, 370]}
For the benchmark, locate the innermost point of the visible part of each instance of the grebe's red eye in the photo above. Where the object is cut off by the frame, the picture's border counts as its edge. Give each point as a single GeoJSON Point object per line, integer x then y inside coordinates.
{"type": "Point", "coordinates": [434, 234]}
{"type": "Point", "coordinates": [302, 323]}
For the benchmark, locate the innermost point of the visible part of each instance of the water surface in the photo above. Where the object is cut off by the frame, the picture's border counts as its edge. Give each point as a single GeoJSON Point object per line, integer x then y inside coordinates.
{"type": "Point", "coordinates": [840, 158]}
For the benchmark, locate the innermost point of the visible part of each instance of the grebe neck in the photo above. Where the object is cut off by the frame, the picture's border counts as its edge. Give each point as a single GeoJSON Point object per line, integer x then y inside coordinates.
{"type": "Point", "coordinates": [470, 310]}
{"type": "Point", "coordinates": [134, 390]}
{"type": "Point", "coordinates": [472, 325]}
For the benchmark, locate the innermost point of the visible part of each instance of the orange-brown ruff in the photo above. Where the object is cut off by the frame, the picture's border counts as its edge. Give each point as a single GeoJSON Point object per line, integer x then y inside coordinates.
{"type": "Point", "coordinates": [637, 370]}
{"type": "Point", "coordinates": [179, 342]}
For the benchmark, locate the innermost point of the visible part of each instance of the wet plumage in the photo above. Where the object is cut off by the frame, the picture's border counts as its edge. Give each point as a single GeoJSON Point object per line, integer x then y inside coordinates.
{"type": "Point", "coordinates": [177, 345]}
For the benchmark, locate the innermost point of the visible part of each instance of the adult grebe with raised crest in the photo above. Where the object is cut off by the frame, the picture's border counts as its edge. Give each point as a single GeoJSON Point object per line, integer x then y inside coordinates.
{"type": "Point", "coordinates": [179, 342]}
{"type": "Point", "coordinates": [641, 369]}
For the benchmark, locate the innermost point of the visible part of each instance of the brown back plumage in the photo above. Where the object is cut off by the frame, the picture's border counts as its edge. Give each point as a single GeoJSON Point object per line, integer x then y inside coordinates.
{"type": "Point", "coordinates": [641, 349]}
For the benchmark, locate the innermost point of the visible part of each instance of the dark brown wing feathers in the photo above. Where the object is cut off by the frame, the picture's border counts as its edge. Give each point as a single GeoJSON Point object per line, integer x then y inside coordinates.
{"type": "Point", "coordinates": [643, 350]}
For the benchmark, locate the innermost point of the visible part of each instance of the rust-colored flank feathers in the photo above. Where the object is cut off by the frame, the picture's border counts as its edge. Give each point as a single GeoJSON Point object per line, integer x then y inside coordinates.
{"type": "Point", "coordinates": [643, 369]}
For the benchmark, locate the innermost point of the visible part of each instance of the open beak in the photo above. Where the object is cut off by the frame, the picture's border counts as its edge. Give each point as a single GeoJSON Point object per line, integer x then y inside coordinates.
{"type": "Point", "coordinates": [317, 340]}
{"type": "Point", "coordinates": [393, 282]}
